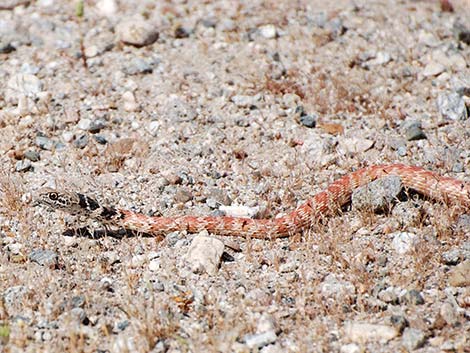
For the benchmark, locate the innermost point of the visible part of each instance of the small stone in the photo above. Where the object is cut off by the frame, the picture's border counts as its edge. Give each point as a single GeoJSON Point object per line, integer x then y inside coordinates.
{"type": "Point", "coordinates": [452, 106]}
{"type": "Point", "coordinates": [13, 298]}
{"type": "Point", "coordinates": [388, 295]}
{"type": "Point", "coordinates": [79, 314]}
{"type": "Point", "coordinates": [183, 195]}
{"type": "Point", "coordinates": [268, 31]}
{"type": "Point", "coordinates": [204, 254]}
{"type": "Point", "coordinates": [308, 120]}
{"type": "Point", "coordinates": [137, 66]}
{"type": "Point", "coordinates": [81, 141]}
{"type": "Point", "coordinates": [23, 165]}
{"type": "Point", "coordinates": [365, 332]}
{"type": "Point", "coordinates": [334, 287]}
{"type": "Point", "coordinates": [413, 131]}
{"type": "Point", "coordinates": [399, 322]}
{"type": "Point", "coordinates": [22, 85]}
{"type": "Point", "coordinates": [46, 258]}
{"type": "Point", "coordinates": [136, 32]}
{"type": "Point", "coordinates": [452, 257]}
{"type": "Point", "coordinates": [381, 58]}
{"type": "Point", "coordinates": [239, 211]}
{"type": "Point", "coordinates": [5, 46]}
{"type": "Point", "coordinates": [78, 301]}
{"type": "Point", "coordinates": [402, 151]}
{"type": "Point", "coordinates": [107, 8]}
{"type": "Point", "coordinates": [350, 348]}
{"type": "Point", "coordinates": [404, 242]}
{"type": "Point", "coordinates": [459, 276]}
{"type": "Point", "coordinates": [181, 32]}
{"type": "Point", "coordinates": [354, 145]}
{"type": "Point", "coordinates": [84, 124]}
{"type": "Point", "coordinates": [45, 143]}
{"type": "Point", "coordinates": [155, 265]}
{"type": "Point", "coordinates": [33, 156]}
{"type": "Point", "coordinates": [462, 32]}
{"type": "Point", "coordinates": [245, 101]}
{"type": "Point", "coordinates": [259, 340]}
{"type": "Point", "coordinates": [433, 69]}
{"type": "Point", "coordinates": [449, 313]}
{"type": "Point", "coordinates": [413, 297]}
{"type": "Point", "coordinates": [463, 224]}
{"type": "Point", "coordinates": [413, 338]}
{"type": "Point", "coordinates": [130, 104]}
{"type": "Point", "coordinates": [407, 213]}
{"type": "Point", "coordinates": [378, 195]}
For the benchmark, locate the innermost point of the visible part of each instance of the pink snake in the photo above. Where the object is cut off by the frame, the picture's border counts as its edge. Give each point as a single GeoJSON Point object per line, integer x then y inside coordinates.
{"type": "Point", "coordinates": [323, 204]}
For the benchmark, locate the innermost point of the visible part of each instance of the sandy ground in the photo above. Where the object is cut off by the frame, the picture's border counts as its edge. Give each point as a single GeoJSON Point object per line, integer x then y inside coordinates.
{"type": "Point", "coordinates": [171, 108]}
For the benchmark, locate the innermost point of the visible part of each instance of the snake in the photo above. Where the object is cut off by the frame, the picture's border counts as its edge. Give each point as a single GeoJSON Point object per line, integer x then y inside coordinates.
{"type": "Point", "coordinates": [324, 204]}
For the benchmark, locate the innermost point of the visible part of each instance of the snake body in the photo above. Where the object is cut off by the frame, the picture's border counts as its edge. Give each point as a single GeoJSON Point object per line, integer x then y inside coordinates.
{"type": "Point", "coordinates": [323, 204]}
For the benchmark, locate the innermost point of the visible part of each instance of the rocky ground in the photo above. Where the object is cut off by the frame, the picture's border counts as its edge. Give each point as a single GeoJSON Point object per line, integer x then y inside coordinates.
{"type": "Point", "coordinates": [191, 107]}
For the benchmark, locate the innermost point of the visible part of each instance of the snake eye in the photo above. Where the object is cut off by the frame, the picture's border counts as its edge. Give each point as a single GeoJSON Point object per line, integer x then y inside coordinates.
{"type": "Point", "coordinates": [53, 196]}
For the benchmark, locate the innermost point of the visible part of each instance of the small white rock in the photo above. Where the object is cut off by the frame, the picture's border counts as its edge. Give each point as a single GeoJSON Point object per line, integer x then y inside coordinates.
{"type": "Point", "coordinates": [350, 348]}
{"type": "Point", "coordinates": [239, 211]}
{"type": "Point", "coordinates": [268, 31]}
{"type": "Point", "coordinates": [433, 69]}
{"type": "Point", "coordinates": [137, 32]}
{"type": "Point", "coordinates": [404, 242]}
{"type": "Point", "coordinates": [107, 7]}
{"type": "Point", "coordinates": [365, 332]}
{"type": "Point", "coordinates": [22, 85]}
{"type": "Point", "coordinates": [130, 103]}
{"type": "Point", "coordinates": [204, 254]}
{"type": "Point", "coordinates": [84, 124]}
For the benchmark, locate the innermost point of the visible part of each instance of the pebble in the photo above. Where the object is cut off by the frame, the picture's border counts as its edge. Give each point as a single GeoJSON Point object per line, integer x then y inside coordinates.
{"type": "Point", "coordinates": [452, 257]}
{"type": "Point", "coordinates": [459, 276]}
{"type": "Point", "coordinates": [413, 338]}
{"type": "Point", "coordinates": [45, 143]}
{"type": "Point", "coordinates": [22, 85]}
{"type": "Point", "coordinates": [259, 340]}
{"type": "Point", "coordinates": [136, 32]}
{"type": "Point", "coordinates": [413, 130]}
{"type": "Point", "coordinates": [204, 254]}
{"type": "Point", "coordinates": [242, 101]}
{"type": "Point", "coordinates": [33, 156]}
{"type": "Point", "coordinates": [413, 297]}
{"type": "Point", "coordinates": [137, 66]}
{"type": "Point", "coordinates": [399, 322]}
{"type": "Point", "coordinates": [81, 141]}
{"type": "Point", "coordinates": [365, 332]}
{"type": "Point", "coordinates": [13, 298]}
{"type": "Point", "coordinates": [463, 224]}
{"type": "Point", "coordinates": [334, 287]}
{"type": "Point", "coordinates": [107, 8]}
{"type": "Point", "coordinates": [404, 242]}
{"type": "Point", "coordinates": [452, 106]}
{"type": "Point", "coordinates": [350, 348]}
{"type": "Point", "coordinates": [239, 211]}
{"type": "Point", "coordinates": [308, 120]}
{"type": "Point", "coordinates": [381, 58]}
{"type": "Point", "coordinates": [46, 258]}
{"type": "Point", "coordinates": [268, 31]}
{"type": "Point", "coordinates": [129, 102]}
{"type": "Point", "coordinates": [354, 145]}
{"type": "Point", "coordinates": [378, 195]}
{"type": "Point", "coordinates": [23, 166]}
{"type": "Point", "coordinates": [462, 32]}
{"type": "Point", "coordinates": [388, 295]}
{"type": "Point", "coordinates": [449, 313]}
{"type": "Point", "coordinates": [433, 69]}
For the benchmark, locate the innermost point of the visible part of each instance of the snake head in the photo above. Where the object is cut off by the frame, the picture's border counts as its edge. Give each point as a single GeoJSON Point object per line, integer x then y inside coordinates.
{"type": "Point", "coordinates": [57, 200]}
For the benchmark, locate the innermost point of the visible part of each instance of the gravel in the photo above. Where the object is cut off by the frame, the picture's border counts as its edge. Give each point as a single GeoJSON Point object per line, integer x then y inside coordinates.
{"type": "Point", "coordinates": [211, 108]}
